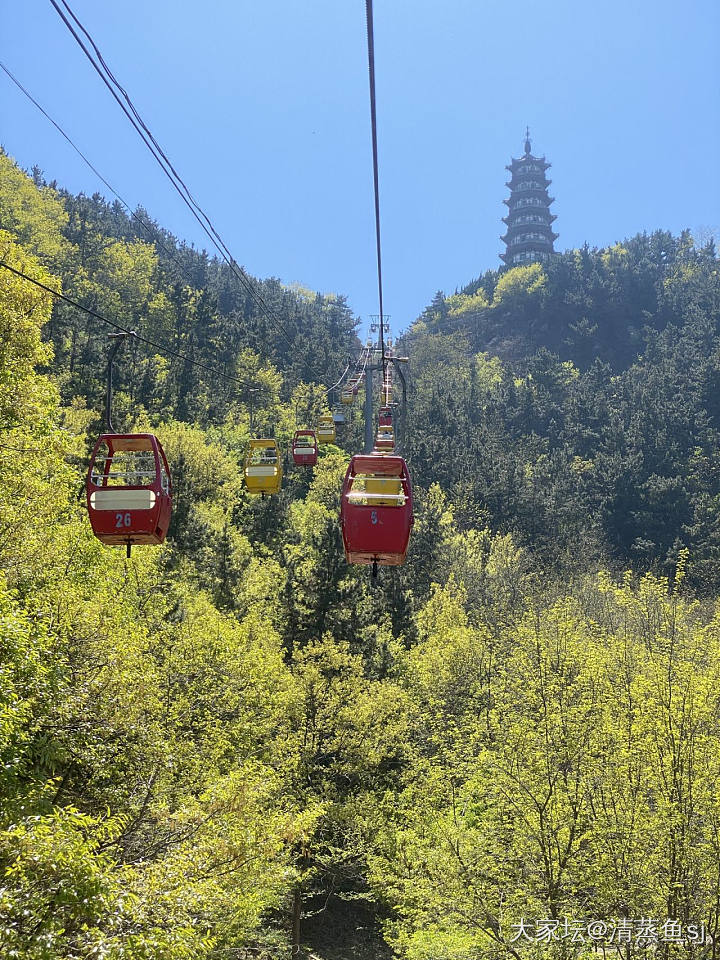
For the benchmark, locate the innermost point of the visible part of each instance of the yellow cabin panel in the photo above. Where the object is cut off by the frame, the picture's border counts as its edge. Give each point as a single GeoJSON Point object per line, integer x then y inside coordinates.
{"type": "Point", "coordinates": [377, 492]}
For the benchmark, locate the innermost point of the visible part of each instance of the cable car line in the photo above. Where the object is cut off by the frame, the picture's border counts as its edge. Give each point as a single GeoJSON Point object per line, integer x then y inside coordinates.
{"type": "Point", "coordinates": [373, 124]}
{"type": "Point", "coordinates": [151, 233]}
{"type": "Point", "coordinates": [166, 166]}
{"type": "Point", "coordinates": [338, 382]}
{"type": "Point", "coordinates": [376, 502]}
{"type": "Point", "coordinates": [161, 347]}
{"type": "Point", "coordinates": [130, 111]}
{"type": "Point", "coordinates": [106, 78]}
{"type": "Point", "coordinates": [159, 154]}
{"type": "Point", "coordinates": [366, 357]}
{"type": "Point", "coordinates": [113, 85]}
{"type": "Point", "coordinates": [65, 135]}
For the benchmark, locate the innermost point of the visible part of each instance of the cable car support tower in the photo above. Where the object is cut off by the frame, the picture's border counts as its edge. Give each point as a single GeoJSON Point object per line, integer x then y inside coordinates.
{"type": "Point", "coordinates": [381, 363]}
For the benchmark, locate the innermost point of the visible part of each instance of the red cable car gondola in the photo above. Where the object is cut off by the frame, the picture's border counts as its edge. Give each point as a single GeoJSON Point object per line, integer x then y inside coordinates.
{"type": "Point", "coordinates": [128, 490]}
{"type": "Point", "coordinates": [385, 417]}
{"type": "Point", "coordinates": [376, 512]}
{"type": "Point", "coordinates": [305, 448]}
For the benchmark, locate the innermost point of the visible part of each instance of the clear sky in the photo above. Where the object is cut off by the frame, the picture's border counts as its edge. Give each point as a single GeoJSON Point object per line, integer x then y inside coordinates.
{"type": "Point", "coordinates": [263, 107]}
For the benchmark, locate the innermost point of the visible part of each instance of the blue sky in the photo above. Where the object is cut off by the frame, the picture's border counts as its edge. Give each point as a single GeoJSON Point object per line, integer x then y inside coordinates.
{"type": "Point", "coordinates": [263, 108]}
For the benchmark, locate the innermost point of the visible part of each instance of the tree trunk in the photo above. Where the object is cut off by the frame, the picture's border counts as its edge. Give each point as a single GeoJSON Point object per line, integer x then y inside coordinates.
{"type": "Point", "coordinates": [296, 914]}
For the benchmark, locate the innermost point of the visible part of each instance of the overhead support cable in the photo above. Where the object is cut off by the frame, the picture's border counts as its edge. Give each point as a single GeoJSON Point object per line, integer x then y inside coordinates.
{"type": "Point", "coordinates": [373, 124]}
{"type": "Point", "coordinates": [338, 382]}
{"type": "Point", "coordinates": [120, 94]}
{"type": "Point", "coordinates": [368, 351]}
{"type": "Point", "coordinates": [149, 230]}
{"type": "Point", "coordinates": [161, 347]}
{"type": "Point", "coordinates": [130, 111]}
{"type": "Point", "coordinates": [63, 134]}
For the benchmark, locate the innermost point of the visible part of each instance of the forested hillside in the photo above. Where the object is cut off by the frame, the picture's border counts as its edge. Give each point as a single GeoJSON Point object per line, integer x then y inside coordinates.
{"type": "Point", "coordinates": [577, 406]}
{"type": "Point", "coordinates": [236, 740]}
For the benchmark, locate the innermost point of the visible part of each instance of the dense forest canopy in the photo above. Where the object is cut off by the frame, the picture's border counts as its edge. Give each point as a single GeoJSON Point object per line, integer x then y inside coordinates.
{"type": "Point", "coordinates": [235, 740]}
{"type": "Point", "coordinates": [575, 405]}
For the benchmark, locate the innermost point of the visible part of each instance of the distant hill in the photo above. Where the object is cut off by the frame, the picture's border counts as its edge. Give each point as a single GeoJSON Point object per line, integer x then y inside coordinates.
{"type": "Point", "coordinates": [133, 271]}
{"type": "Point", "coordinates": [585, 304]}
{"type": "Point", "coordinates": [578, 407]}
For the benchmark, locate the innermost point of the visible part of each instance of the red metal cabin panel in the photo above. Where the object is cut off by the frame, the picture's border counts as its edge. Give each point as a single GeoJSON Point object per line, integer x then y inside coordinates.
{"type": "Point", "coordinates": [375, 464]}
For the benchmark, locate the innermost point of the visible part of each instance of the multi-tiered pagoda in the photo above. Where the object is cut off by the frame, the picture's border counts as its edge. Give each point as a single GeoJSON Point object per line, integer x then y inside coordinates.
{"type": "Point", "coordinates": [529, 235]}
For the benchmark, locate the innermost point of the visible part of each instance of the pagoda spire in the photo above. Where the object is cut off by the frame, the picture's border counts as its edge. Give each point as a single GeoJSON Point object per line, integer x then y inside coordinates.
{"type": "Point", "coordinates": [529, 236]}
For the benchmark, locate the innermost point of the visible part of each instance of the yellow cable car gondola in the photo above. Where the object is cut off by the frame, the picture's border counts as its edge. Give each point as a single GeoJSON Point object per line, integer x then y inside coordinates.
{"type": "Point", "coordinates": [385, 439]}
{"type": "Point", "coordinates": [347, 395]}
{"type": "Point", "coordinates": [325, 430]}
{"type": "Point", "coordinates": [263, 467]}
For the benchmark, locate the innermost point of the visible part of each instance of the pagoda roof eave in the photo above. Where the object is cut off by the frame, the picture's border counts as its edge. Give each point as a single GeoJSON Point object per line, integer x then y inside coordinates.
{"type": "Point", "coordinates": [521, 228]}
{"type": "Point", "coordinates": [514, 187]}
{"type": "Point", "coordinates": [528, 158]}
{"type": "Point", "coordinates": [541, 245]}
